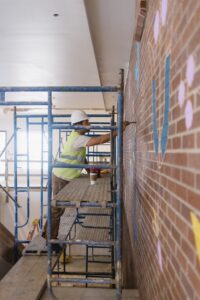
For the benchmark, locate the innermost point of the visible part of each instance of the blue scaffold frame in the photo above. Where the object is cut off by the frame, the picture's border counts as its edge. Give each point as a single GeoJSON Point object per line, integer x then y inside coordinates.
{"type": "Point", "coordinates": [49, 90]}
{"type": "Point", "coordinates": [40, 120]}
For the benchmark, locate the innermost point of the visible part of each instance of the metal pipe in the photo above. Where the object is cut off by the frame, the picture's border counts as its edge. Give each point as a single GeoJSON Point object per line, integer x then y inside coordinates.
{"type": "Point", "coordinates": [90, 274]}
{"type": "Point", "coordinates": [66, 123]}
{"type": "Point", "coordinates": [79, 280]}
{"type": "Point", "coordinates": [22, 103]}
{"type": "Point", "coordinates": [51, 89]}
{"type": "Point", "coordinates": [63, 203]}
{"type": "Point", "coordinates": [118, 276]}
{"type": "Point", "coordinates": [59, 142]}
{"type": "Point", "coordinates": [84, 127]}
{"type": "Point", "coordinates": [4, 149]}
{"type": "Point", "coordinates": [8, 194]}
{"type": "Point", "coordinates": [6, 165]}
{"type": "Point", "coordinates": [63, 116]}
{"type": "Point", "coordinates": [98, 152]}
{"type": "Point", "coordinates": [2, 96]}
{"type": "Point", "coordinates": [27, 178]}
{"type": "Point", "coordinates": [98, 155]}
{"type": "Point", "coordinates": [113, 195]}
{"type": "Point", "coordinates": [49, 188]}
{"type": "Point", "coordinates": [15, 174]}
{"type": "Point", "coordinates": [28, 169]}
{"type": "Point", "coordinates": [22, 241]}
{"type": "Point", "coordinates": [81, 166]}
{"type": "Point", "coordinates": [41, 176]}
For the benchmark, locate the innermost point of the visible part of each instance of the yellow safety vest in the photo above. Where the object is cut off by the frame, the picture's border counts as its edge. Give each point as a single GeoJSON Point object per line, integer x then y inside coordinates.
{"type": "Point", "coordinates": [70, 156]}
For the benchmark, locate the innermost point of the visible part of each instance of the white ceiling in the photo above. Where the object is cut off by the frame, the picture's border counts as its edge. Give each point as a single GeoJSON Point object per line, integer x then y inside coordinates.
{"type": "Point", "coordinates": [112, 25]}
{"type": "Point", "coordinates": [74, 48]}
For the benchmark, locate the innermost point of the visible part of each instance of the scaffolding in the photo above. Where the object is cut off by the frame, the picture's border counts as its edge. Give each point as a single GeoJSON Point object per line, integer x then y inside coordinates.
{"type": "Point", "coordinates": [116, 157]}
{"type": "Point", "coordinates": [41, 121]}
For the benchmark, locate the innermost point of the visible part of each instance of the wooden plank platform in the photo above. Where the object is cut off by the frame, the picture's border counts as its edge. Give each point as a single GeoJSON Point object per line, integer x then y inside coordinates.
{"type": "Point", "coordinates": [94, 211]}
{"type": "Point", "coordinates": [63, 293]}
{"type": "Point", "coordinates": [36, 247]}
{"type": "Point", "coordinates": [92, 234]}
{"type": "Point", "coordinates": [97, 222]}
{"type": "Point", "coordinates": [66, 224]}
{"type": "Point", "coordinates": [80, 190]}
{"type": "Point", "coordinates": [26, 280]}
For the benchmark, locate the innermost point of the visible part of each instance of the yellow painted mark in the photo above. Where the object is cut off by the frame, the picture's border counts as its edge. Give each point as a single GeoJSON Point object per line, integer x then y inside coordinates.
{"type": "Point", "coordinates": [196, 230]}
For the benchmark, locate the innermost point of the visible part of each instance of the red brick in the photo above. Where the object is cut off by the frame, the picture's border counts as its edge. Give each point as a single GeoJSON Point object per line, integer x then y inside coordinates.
{"type": "Point", "coordinates": [197, 181]}
{"type": "Point", "coordinates": [181, 225]}
{"type": "Point", "coordinates": [195, 279]}
{"type": "Point", "coordinates": [182, 260]}
{"type": "Point", "coordinates": [169, 184]}
{"type": "Point", "coordinates": [198, 95]}
{"type": "Point", "coordinates": [188, 287]}
{"type": "Point", "coordinates": [194, 161]}
{"type": "Point", "coordinates": [176, 143]}
{"type": "Point", "coordinates": [180, 127]}
{"type": "Point", "coordinates": [188, 250]}
{"type": "Point", "coordinates": [188, 178]}
{"type": "Point", "coordinates": [176, 173]}
{"type": "Point", "coordinates": [193, 199]}
{"type": "Point", "coordinates": [188, 141]}
{"type": "Point", "coordinates": [185, 211]}
{"type": "Point", "coordinates": [198, 140]}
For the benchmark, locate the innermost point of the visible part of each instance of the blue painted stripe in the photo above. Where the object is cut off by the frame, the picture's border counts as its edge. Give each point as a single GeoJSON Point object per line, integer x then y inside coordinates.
{"type": "Point", "coordinates": [155, 130]}
{"type": "Point", "coordinates": [164, 137]}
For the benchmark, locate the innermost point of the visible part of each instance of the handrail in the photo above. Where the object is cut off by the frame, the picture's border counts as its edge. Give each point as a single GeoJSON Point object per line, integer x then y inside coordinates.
{"type": "Point", "coordinates": [8, 194]}
{"type": "Point", "coordinates": [4, 149]}
{"type": "Point", "coordinates": [50, 89]}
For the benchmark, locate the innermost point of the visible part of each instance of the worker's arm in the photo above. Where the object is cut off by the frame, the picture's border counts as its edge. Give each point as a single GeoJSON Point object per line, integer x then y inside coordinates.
{"type": "Point", "coordinates": [100, 139]}
{"type": "Point", "coordinates": [104, 138]}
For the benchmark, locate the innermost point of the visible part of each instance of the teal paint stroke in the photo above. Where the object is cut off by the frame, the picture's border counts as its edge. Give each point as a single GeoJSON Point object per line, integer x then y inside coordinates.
{"type": "Point", "coordinates": [165, 128]}
{"type": "Point", "coordinates": [155, 130]}
{"type": "Point", "coordinates": [137, 65]}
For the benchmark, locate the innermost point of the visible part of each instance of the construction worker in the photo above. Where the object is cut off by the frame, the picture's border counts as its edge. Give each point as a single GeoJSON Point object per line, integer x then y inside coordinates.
{"type": "Point", "coordinates": [74, 152]}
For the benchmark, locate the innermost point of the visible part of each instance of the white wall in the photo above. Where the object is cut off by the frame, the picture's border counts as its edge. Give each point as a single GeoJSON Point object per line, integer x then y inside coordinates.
{"type": "Point", "coordinates": [7, 214]}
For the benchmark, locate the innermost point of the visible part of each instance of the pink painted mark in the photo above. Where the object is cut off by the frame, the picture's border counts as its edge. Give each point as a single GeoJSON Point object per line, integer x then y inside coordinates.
{"type": "Point", "coordinates": [164, 11]}
{"type": "Point", "coordinates": [156, 26]}
{"type": "Point", "coordinates": [188, 114]}
{"type": "Point", "coordinates": [190, 70]}
{"type": "Point", "coordinates": [159, 253]}
{"type": "Point", "coordinates": [181, 94]}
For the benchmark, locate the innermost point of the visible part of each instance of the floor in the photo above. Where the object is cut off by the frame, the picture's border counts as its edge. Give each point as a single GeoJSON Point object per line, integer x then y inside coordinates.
{"type": "Point", "coordinates": [74, 293]}
{"type": "Point", "coordinates": [79, 292]}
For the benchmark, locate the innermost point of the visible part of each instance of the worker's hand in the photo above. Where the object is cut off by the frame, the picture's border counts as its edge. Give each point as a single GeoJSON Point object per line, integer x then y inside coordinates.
{"type": "Point", "coordinates": [125, 124]}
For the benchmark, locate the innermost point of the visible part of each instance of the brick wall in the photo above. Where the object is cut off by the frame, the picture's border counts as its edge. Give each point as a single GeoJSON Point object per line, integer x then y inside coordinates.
{"type": "Point", "coordinates": [162, 153]}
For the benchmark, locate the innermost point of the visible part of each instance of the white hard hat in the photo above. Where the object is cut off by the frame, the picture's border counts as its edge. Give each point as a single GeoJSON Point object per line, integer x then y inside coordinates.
{"type": "Point", "coordinates": [78, 116]}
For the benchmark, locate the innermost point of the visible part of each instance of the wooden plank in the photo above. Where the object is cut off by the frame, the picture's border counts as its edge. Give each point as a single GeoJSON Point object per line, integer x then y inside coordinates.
{"type": "Point", "coordinates": [26, 279]}
{"type": "Point", "coordinates": [97, 221]}
{"type": "Point", "coordinates": [80, 189]}
{"type": "Point", "coordinates": [94, 211]}
{"type": "Point", "coordinates": [92, 234]}
{"type": "Point", "coordinates": [7, 238]}
{"type": "Point", "coordinates": [36, 247]}
{"type": "Point", "coordinates": [66, 224]}
{"type": "Point", "coordinates": [63, 293]}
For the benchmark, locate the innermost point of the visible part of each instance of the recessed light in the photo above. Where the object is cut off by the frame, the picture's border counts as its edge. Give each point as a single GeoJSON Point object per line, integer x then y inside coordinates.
{"type": "Point", "coordinates": [56, 15]}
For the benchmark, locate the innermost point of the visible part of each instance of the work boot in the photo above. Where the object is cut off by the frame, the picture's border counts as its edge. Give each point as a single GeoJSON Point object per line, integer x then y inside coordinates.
{"type": "Point", "coordinates": [56, 248]}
